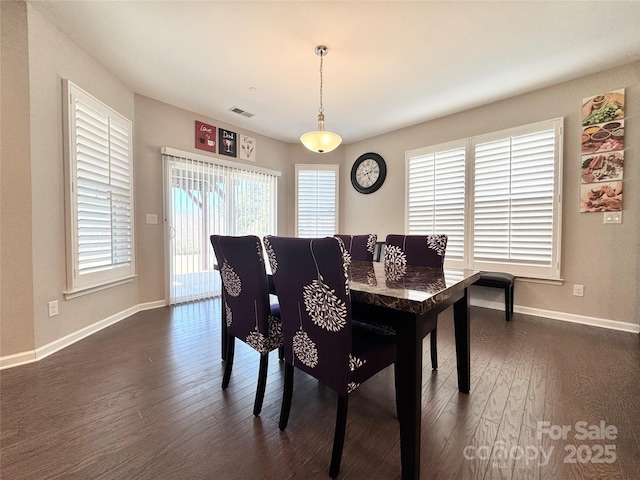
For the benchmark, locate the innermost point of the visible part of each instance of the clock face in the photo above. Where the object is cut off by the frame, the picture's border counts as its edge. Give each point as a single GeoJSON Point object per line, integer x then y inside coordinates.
{"type": "Point", "coordinates": [368, 173]}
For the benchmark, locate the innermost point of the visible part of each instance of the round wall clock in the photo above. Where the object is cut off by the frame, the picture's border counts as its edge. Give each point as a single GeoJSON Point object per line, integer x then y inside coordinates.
{"type": "Point", "coordinates": [368, 173]}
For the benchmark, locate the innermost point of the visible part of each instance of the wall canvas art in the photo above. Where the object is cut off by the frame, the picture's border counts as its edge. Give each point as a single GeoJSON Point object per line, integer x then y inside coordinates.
{"type": "Point", "coordinates": [601, 197]}
{"type": "Point", "coordinates": [228, 142]}
{"type": "Point", "coordinates": [247, 148]}
{"type": "Point", "coordinates": [602, 167]}
{"type": "Point", "coordinates": [205, 137]}
{"type": "Point", "coordinates": [602, 108]}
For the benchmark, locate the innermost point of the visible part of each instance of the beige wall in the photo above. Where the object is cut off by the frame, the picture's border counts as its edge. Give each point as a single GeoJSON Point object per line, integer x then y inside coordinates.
{"type": "Point", "coordinates": [603, 258]}
{"type": "Point", "coordinates": [16, 281]}
{"type": "Point", "coordinates": [160, 125]}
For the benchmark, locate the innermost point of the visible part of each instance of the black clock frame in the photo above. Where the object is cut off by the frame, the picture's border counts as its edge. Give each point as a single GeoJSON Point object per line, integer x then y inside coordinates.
{"type": "Point", "coordinates": [378, 183]}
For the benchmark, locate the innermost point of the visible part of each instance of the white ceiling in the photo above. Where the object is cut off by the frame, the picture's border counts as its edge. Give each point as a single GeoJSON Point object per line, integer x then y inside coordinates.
{"type": "Point", "coordinates": [390, 64]}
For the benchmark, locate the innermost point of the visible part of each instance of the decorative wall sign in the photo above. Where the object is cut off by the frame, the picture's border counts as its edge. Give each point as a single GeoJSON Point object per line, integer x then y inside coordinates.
{"type": "Point", "coordinates": [205, 137]}
{"type": "Point", "coordinates": [247, 148]}
{"type": "Point", "coordinates": [602, 164]}
{"type": "Point", "coordinates": [228, 142]}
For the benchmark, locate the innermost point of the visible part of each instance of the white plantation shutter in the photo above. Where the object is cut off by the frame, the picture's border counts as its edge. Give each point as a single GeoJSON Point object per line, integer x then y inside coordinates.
{"type": "Point", "coordinates": [316, 200]}
{"type": "Point", "coordinates": [507, 215]}
{"type": "Point", "coordinates": [514, 199]}
{"type": "Point", "coordinates": [436, 197]}
{"type": "Point", "coordinates": [99, 193]}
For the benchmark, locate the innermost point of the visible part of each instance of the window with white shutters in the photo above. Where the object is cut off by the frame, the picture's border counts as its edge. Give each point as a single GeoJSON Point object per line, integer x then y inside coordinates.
{"type": "Point", "coordinates": [316, 200]}
{"type": "Point", "coordinates": [436, 196]}
{"type": "Point", "coordinates": [99, 193]}
{"type": "Point", "coordinates": [499, 203]}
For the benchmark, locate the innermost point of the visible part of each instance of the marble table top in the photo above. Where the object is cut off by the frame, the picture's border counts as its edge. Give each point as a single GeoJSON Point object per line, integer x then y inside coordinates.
{"type": "Point", "coordinates": [409, 289]}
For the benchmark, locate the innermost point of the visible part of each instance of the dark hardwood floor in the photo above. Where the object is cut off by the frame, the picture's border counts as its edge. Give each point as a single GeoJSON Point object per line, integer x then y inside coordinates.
{"type": "Point", "coordinates": [142, 400]}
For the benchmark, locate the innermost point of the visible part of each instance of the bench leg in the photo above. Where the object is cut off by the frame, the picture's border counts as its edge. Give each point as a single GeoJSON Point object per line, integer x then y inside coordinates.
{"type": "Point", "coordinates": [511, 302]}
{"type": "Point", "coordinates": [507, 297]}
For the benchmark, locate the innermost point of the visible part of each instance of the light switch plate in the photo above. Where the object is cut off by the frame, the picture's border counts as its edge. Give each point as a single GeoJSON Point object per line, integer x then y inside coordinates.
{"type": "Point", "coordinates": [152, 219]}
{"type": "Point", "coordinates": [612, 217]}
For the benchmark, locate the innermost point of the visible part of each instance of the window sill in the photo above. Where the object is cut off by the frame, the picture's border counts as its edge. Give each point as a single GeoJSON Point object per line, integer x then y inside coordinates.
{"type": "Point", "coordinates": [81, 291]}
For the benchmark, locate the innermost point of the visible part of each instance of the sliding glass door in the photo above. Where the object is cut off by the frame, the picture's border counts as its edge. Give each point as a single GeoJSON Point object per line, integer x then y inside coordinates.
{"type": "Point", "coordinates": [204, 197]}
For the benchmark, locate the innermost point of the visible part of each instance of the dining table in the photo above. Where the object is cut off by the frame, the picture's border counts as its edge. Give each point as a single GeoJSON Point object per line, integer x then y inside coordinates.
{"type": "Point", "coordinates": [409, 299]}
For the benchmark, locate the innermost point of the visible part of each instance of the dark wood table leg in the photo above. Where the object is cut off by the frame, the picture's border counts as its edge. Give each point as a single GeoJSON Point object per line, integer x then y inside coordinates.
{"type": "Point", "coordinates": [463, 340]}
{"type": "Point", "coordinates": [408, 373]}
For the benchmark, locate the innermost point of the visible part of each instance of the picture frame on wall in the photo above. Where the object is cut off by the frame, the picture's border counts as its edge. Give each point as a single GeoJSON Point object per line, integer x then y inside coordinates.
{"type": "Point", "coordinates": [228, 142]}
{"type": "Point", "coordinates": [247, 148]}
{"type": "Point", "coordinates": [205, 137]}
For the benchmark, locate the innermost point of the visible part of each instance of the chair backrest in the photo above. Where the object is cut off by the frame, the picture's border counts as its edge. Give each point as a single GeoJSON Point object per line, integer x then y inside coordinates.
{"type": "Point", "coordinates": [246, 290]}
{"type": "Point", "coordinates": [359, 247]}
{"type": "Point", "coordinates": [415, 250]}
{"type": "Point", "coordinates": [312, 285]}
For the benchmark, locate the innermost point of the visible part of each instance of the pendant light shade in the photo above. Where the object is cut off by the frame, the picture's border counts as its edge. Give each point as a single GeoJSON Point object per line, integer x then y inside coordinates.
{"type": "Point", "coordinates": [321, 141]}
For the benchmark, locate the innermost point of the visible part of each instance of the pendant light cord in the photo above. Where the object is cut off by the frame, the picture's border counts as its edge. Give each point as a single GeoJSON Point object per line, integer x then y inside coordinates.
{"type": "Point", "coordinates": [321, 106]}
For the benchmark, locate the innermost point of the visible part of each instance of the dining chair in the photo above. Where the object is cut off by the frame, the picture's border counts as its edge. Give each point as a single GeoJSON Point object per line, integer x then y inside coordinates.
{"type": "Point", "coordinates": [312, 284]}
{"type": "Point", "coordinates": [420, 251]}
{"type": "Point", "coordinates": [250, 316]}
{"type": "Point", "coordinates": [359, 247]}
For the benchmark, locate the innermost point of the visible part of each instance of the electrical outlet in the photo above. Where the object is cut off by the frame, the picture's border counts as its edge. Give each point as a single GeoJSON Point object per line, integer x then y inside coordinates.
{"type": "Point", "coordinates": [613, 217]}
{"type": "Point", "coordinates": [53, 308]}
{"type": "Point", "coordinates": [578, 290]}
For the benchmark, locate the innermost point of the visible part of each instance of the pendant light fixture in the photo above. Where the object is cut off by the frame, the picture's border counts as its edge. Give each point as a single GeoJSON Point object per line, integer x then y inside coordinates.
{"type": "Point", "coordinates": [321, 141]}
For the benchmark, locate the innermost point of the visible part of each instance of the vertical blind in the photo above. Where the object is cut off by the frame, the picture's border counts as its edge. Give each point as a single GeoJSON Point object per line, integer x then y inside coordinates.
{"type": "Point", "coordinates": [316, 200]}
{"type": "Point", "coordinates": [436, 187]}
{"type": "Point", "coordinates": [205, 198]}
{"type": "Point", "coordinates": [101, 201]}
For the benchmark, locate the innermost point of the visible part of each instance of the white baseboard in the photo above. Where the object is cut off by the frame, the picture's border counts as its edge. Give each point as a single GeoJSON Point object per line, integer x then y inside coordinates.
{"type": "Point", "coordinates": [23, 358]}
{"type": "Point", "coordinates": [17, 359]}
{"type": "Point", "coordinates": [565, 317]}
{"type": "Point", "coordinates": [57, 345]}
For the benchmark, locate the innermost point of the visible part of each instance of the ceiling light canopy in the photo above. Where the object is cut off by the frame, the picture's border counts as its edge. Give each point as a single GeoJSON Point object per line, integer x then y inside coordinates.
{"type": "Point", "coordinates": [321, 141]}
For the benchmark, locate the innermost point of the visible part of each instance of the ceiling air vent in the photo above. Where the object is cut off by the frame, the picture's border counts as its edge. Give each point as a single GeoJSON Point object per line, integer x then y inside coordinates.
{"type": "Point", "coordinates": [239, 111]}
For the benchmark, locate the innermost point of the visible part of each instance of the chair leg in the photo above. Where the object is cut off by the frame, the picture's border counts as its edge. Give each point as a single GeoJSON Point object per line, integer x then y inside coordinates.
{"type": "Point", "coordinates": [338, 438]}
{"type": "Point", "coordinates": [433, 337]}
{"type": "Point", "coordinates": [281, 353]}
{"type": "Point", "coordinates": [228, 361]}
{"type": "Point", "coordinates": [262, 383]}
{"type": "Point", "coordinates": [286, 396]}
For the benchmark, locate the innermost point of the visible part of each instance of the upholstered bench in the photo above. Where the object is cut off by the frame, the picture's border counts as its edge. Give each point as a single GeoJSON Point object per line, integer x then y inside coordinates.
{"type": "Point", "coordinates": [500, 280]}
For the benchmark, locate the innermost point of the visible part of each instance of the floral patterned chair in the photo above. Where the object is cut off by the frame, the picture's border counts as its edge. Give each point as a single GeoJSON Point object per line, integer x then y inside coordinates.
{"type": "Point", "coordinates": [402, 251]}
{"type": "Point", "coordinates": [359, 247]}
{"type": "Point", "coordinates": [248, 311]}
{"type": "Point", "coordinates": [312, 284]}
